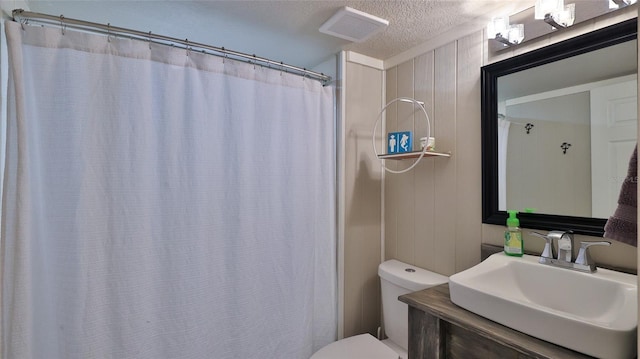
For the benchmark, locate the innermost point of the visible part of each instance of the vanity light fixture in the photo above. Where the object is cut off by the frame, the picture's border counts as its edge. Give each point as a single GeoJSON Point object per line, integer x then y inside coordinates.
{"type": "Point", "coordinates": [557, 14]}
{"type": "Point", "coordinates": [500, 30]}
{"type": "Point", "coordinates": [619, 4]}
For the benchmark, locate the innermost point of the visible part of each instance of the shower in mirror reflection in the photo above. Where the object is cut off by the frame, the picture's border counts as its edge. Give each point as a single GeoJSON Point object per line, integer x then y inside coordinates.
{"type": "Point", "coordinates": [503, 139]}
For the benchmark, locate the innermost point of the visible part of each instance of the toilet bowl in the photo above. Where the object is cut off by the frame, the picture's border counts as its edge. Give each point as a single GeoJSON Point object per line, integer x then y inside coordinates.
{"type": "Point", "coordinates": [396, 279]}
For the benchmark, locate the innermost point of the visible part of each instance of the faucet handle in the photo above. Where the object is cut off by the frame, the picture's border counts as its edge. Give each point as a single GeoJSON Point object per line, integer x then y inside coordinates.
{"type": "Point", "coordinates": [548, 247]}
{"type": "Point", "coordinates": [584, 258]}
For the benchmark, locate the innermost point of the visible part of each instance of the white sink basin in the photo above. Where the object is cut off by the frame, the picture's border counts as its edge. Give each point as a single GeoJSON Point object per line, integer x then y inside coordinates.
{"type": "Point", "coordinates": [592, 313]}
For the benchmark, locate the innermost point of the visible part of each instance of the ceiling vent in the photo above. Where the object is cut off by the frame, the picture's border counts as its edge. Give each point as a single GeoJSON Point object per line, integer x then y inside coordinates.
{"type": "Point", "coordinates": [353, 25]}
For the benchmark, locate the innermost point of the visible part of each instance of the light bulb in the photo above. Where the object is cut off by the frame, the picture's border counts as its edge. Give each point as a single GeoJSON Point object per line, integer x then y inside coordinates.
{"type": "Point", "coordinates": [544, 7]}
{"type": "Point", "coordinates": [516, 33]}
{"type": "Point", "coordinates": [498, 25]}
{"type": "Point", "coordinates": [567, 16]}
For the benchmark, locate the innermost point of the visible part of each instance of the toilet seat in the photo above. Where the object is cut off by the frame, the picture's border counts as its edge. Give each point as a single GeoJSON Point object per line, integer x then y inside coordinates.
{"type": "Point", "coordinates": [363, 346]}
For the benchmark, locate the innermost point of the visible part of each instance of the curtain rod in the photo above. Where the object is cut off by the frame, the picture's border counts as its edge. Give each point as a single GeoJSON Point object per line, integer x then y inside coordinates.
{"type": "Point", "coordinates": [20, 15]}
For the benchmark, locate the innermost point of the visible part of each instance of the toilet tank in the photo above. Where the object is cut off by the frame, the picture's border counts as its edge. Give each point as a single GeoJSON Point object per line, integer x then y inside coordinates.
{"type": "Point", "coordinates": [396, 279]}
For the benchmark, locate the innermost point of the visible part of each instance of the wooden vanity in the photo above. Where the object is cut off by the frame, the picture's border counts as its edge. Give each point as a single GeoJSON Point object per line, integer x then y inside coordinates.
{"type": "Point", "coordinates": [439, 329]}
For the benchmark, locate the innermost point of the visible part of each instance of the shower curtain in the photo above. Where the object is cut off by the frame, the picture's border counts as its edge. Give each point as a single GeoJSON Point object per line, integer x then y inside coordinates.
{"type": "Point", "coordinates": [163, 203]}
{"type": "Point", "coordinates": [503, 139]}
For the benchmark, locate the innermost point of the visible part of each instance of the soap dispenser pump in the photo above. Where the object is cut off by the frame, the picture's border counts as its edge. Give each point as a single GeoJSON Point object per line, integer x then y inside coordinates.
{"type": "Point", "coordinates": [513, 244]}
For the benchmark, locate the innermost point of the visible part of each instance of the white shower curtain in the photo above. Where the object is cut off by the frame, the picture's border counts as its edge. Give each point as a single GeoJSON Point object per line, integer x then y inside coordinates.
{"type": "Point", "coordinates": [503, 141]}
{"type": "Point", "coordinates": [163, 204]}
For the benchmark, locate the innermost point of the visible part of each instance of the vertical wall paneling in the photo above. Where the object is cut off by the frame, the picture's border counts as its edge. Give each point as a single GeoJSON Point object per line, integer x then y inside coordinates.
{"type": "Point", "coordinates": [362, 172]}
{"type": "Point", "coordinates": [424, 206]}
{"type": "Point", "coordinates": [445, 170]}
{"type": "Point", "coordinates": [391, 188]}
{"type": "Point", "coordinates": [441, 232]}
{"type": "Point", "coordinates": [403, 203]}
{"type": "Point", "coordinates": [468, 214]}
{"type": "Point", "coordinates": [447, 195]}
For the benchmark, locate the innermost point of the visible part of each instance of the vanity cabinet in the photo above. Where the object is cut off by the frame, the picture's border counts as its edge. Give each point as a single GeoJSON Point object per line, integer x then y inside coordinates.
{"type": "Point", "coordinates": [439, 329]}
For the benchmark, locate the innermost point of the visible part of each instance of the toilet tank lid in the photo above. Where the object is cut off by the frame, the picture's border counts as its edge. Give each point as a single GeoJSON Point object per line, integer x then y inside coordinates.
{"type": "Point", "coordinates": [408, 276]}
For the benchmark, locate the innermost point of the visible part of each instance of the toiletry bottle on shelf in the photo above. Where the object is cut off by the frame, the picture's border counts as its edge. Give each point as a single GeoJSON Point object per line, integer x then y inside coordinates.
{"type": "Point", "coordinates": [513, 244]}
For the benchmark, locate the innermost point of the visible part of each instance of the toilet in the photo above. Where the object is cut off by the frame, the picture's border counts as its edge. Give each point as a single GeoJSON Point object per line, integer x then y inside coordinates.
{"type": "Point", "coordinates": [396, 279]}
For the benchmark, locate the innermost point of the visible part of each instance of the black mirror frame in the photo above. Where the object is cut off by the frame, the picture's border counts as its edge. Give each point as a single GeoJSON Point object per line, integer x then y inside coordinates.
{"type": "Point", "coordinates": [608, 36]}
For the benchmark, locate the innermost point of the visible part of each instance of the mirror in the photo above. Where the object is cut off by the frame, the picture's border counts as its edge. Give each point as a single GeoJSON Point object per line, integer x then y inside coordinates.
{"type": "Point", "coordinates": [547, 149]}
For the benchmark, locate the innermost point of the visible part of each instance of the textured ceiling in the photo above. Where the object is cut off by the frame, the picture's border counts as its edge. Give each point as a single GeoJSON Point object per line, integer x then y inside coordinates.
{"type": "Point", "coordinates": [283, 30]}
{"type": "Point", "coordinates": [411, 22]}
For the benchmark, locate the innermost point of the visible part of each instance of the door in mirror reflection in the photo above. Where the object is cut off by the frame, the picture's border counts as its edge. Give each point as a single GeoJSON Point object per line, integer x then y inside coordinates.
{"type": "Point", "coordinates": [614, 128]}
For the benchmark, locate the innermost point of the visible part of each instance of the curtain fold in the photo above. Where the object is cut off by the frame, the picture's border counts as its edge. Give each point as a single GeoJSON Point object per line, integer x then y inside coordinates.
{"type": "Point", "coordinates": [503, 140]}
{"type": "Point", "coordinates": [163, 204]}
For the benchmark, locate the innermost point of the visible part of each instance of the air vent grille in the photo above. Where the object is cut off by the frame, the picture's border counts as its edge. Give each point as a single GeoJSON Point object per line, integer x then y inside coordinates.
{"type": "Point", "coordinates": [353, 25]}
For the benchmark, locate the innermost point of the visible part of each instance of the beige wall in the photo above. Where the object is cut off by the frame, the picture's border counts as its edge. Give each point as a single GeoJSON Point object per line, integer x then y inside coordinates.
{"type": "Point", "coordinates": [533, 158]}
{"type": "Point", "coordinates": [619, 254]}
{"type": "Point", "coordinates": [433, 214]}
{"type": "Point", "coordinates": [362, 192]}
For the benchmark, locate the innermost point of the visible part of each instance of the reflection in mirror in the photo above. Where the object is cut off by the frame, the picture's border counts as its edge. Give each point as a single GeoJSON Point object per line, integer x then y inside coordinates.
{"type": "Point", "coordinates": [566, 131]}
{"type": "Point", "coordinates": [558, 128]}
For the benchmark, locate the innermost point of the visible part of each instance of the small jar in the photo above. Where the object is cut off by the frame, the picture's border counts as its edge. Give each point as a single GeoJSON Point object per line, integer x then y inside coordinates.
{"type": "Point", "coordinates": [429, 142]}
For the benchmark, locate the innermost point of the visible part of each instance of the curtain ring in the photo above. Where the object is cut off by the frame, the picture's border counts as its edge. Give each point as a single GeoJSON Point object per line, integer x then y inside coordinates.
{"type": "Point", "coordinates": [379, 118]}
{"type": "Point", "coordinates": [149, 40]}
{"type": "Point", "coordinates": [225, 54]}
{"type": "Point", "coordinates": [254, 61]}
{"type": "Point", "coordinates": [108, 32]}
{"type": "Point", "coordinates": [24, 22]}
{"type": "Point", "coordinates": [188, 48]}
{"type": "Point", "coordinates": [62, 24]}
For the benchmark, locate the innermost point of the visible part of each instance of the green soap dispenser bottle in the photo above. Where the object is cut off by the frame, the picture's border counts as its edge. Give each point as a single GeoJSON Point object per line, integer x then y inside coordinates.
{"type": "Point", "coordinates": [513, 244]}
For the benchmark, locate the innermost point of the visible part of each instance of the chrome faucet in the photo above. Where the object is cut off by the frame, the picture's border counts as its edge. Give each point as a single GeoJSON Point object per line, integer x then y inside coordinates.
{"type": "Point", "coordinates": [565, 245]}
{"type": "Point", "coordinates": [565, 251]}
